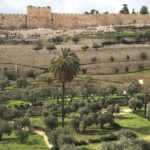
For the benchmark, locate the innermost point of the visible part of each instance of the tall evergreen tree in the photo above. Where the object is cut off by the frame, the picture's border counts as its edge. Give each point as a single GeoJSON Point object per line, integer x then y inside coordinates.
{"type": "Point", "coordinates": [125, 9]}
{"type": "Point", "coordinates": [144, 10]}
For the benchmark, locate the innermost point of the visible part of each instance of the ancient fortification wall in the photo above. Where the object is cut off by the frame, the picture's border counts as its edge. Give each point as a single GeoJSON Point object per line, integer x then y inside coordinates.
{"type": "Point", "coordinates": [13, 21]}
{"type": "Point", "coordinates": [81, 21]}
{"type": "Point", "coordinates": [41, 17]}
{"type": "Point", "coordinates": [38, 17]}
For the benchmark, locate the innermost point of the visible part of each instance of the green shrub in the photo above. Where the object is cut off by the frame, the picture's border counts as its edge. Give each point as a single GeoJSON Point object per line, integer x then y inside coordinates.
{"type": "Point", "coordinates": [126, 134]}
{"type": "Point", "coordinates": [51, 122]}
{"type": "Point", "coordinates": [75, 39]}
{"type": "Point", "coordinates": [128, 57]}
{"type": "Point", "coordinates": [108, 43]}
{"type": "Point", "coordinates": [84, 70]}
{"type": "Point", "coordinates": [50, 47]}
{"type": "Point", "coordinates": [148, 111]}
{"type": "Point", "coordinates": [84, 48]}
{"type": "Point", "coordinates": [94, 59]}
{"type": "Point", "coordinates": [112, 59]}
{"type": "Point", "coordinates": [22, 136]}
{"type": "Point", "coordinates": [134, 88]}
{"type": "Point", "coordinates": [141, 66]}
{"type": "Point", "coordinates": [135, 103]}
{"type": "Point", "coordinates": [75, 124]}
{"type": "Point", "coordinates": [30, 73]}
{"type": "Point", "coordinates": [95, 46]}
{"type": "Point", "coordinates": [143, 56]}
{"type": "Point", "coordinates": [22, 83]}
{"type": "Point", "coordinates": [38, 46]}
{"type": "Point", "coordinates": [57, 39]}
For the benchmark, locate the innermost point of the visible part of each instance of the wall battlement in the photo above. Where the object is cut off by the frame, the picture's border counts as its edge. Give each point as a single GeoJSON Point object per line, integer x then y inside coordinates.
{"type": "Point", "coordinates": [42, 17]}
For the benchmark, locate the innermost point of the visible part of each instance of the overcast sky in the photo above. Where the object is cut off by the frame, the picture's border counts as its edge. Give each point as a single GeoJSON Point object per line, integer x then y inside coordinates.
{"type": "Point", "coordinates": [71, 6]}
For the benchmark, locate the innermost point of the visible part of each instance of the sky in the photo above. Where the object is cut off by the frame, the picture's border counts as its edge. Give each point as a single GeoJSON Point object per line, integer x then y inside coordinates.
{"type": "Point", "coordinates": [71, 6]}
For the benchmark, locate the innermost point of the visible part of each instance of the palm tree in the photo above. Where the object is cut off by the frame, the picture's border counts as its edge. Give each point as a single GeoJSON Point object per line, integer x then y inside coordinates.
{"type": "Point", "coordinates": [65, 67]}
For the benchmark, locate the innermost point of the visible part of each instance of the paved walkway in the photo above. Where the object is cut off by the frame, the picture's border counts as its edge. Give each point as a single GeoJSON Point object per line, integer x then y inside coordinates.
{"type": "Point", "coordinates": [42, 133]}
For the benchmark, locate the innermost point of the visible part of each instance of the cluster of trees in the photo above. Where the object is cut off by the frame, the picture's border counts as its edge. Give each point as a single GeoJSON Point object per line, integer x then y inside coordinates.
{"type": "Point", "coordinates": [144, 10]}
{"type": "Point", "coordinates": [124, 10]}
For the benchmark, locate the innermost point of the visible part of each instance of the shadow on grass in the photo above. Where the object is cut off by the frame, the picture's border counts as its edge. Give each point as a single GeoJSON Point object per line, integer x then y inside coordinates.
{"type": "Point", "coordinates": [98, 132]}
{"type": "Point", "coordinates": [124, 117]}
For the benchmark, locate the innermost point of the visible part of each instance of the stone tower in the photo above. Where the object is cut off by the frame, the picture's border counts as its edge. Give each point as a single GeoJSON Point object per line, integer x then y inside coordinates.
{"type": "Point", "coordinates": [38, 17]}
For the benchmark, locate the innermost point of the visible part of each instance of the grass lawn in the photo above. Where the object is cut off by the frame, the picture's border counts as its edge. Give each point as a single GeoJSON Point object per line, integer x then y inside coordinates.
{"type": "Point", "coordinates": [134, 122]}
{"type": "Point", "coordinates": [13, 102]}
{"type": "Point", "coordinates": [35, 142]}
{"type": "Point", "coordinates": [12, 87]}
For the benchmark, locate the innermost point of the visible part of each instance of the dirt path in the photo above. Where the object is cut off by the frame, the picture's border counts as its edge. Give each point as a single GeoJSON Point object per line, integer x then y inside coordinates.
{"type": "Point", "coordinates": [42, 133]}
{"type": "Point", "coordinates": [124, 111]}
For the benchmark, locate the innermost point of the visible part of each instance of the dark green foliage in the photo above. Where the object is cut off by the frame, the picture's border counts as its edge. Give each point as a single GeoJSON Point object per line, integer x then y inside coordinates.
{"type": "Point", "coordinates": [105, 118]}
{"type": "Point", "coordinates": [10, 74]}
{"type": "Point", "coordinates": [38, 46]}
{"type": "Point", "coordinates": [75, 124]}
{"type": "Point", "coordinates": [94, 107]}
{"type": "Point", "coordinates": [22, 83]}
{"type": "Point", "coordinates": [22, 136]}
{"type": "Point", "coordinates": [125, 9]}
{"type": "Point", "coordinates": [86, 121]}
{"type": "Point", "coordinates": [87, 89]}
{"type": "Point", "coordinates": [148, 111]}
{"type": "Point", "coordinates": [144, 10]}
{"type": "Point", "coordinates": [57, 39]}
{"type": "Point", "coordinates": [105, 43]}
{"type": "Point", "coordinates": [112, 59]}
{"type": "Point", "coordinates": [141, 66]}
{"type": "Point", "coordinates": [53, 136]}
{"type": "Point", "coordinates": [96, 46]}
{"type": "Point", "coordinates": [67, 109]}
{"type": "Point", "coordinates": [4, 84]}
{"type": "Point", "coordinates": [50, 47]}
{"type": "Point", "coordinates": [22, 123]}
{"type": "Point", "coordinates": [111, 89]}
{"type": "Point", "coordinates": [106, 138]}
{"type": "Point", "coordinates": [75, 39]}
{"type": "Point", "coordinates": [83, 111]}
{"type": "Point", "coordinates": [94, 59]}
{"type": "Point", "coordinates": [5, 128]}
{"type": "Point", "coordinates": [135, 103]}
{"type": "Point", "coordinates": [65, 67]}
{"type": "Point", "coordinates": [126, 69]}
{"type": "Point", "coordinates": [70, 147]}
{"type": "Point", "coordinates": [126, 134]}
{"type": "Point", "coordinates": [84, 48]}
{"type": "Point", "coordinates": [30, 73]}
{"type": "Point", "coordinates": [84, 70]}
{"type": "Point", "coordinates": [128, 57]}
{"type": "Point", "coordinates": [134, 88]}
{"type": "Point", "coordinates": [143, 56]}
{"type": "Point", "coordinates": [61, 137]}
{"type": "Point", "coordinates": [51, 122]}
{"type": "Point", "coordinates": [33, 97]}
{"type": "Point", "coordinates": [74, 106]}
{"type": "Point", "coordinates": [116, 70]}
{"type": "Point", "coordinates": [126, 145]}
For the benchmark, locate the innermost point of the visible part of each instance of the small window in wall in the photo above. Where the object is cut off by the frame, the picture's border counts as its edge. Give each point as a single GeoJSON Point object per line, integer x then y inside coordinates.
{"type": "Point", "coordinates": [52, 19]}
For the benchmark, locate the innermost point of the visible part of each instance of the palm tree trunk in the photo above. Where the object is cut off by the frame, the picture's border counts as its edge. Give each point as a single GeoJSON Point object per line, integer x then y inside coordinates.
{"type": "Point", "coordinates": [62, 104]}
{"type": "Point", "coordinates": [145, 107]}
